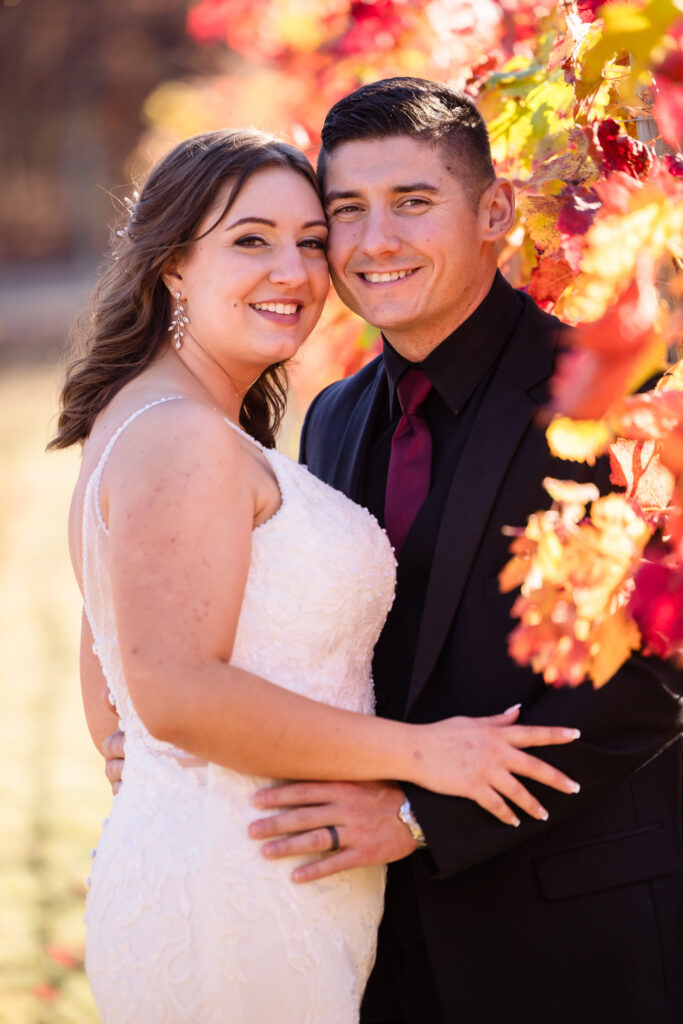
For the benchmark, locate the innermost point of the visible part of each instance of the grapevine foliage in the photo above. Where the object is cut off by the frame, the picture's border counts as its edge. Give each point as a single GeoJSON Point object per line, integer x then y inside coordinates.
{"type": "Point", "coordinates": [584, 101]}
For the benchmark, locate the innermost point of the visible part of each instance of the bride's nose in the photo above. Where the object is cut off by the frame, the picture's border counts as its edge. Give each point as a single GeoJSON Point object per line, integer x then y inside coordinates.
{"type": "Point", "coordinates": [289, 267]}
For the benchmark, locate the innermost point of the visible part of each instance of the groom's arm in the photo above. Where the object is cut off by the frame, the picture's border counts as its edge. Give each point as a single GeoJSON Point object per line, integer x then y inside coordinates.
{"type": "Point", "coordinates": [623, 726]}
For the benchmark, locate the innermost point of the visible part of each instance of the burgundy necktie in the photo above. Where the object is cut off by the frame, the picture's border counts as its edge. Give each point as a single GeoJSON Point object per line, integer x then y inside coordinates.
{"type": "Point", "coordinates": [410, 464]}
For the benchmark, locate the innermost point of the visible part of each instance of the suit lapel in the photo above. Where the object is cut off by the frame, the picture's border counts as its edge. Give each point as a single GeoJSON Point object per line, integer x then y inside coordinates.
{"type": "Point", "coordinates": [502, 419]}
{"type": "Point", "coordinates": [347, 472]}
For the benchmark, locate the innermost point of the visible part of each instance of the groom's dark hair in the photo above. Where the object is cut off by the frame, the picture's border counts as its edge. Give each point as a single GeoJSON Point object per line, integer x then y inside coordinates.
{"type": "Point", "coordinates": [427, 111]}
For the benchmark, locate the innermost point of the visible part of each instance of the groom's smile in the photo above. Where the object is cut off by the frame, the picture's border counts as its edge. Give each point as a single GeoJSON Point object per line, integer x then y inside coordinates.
{"type": "Point", "coordinates": [385, 276]}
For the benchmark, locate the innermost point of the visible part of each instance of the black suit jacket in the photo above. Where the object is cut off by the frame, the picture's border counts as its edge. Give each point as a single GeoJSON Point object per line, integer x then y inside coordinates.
{"type": "Point", "coordinates": [579, 918]}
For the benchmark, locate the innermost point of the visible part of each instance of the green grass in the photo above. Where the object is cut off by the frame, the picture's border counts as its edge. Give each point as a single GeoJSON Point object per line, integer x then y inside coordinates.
{"type": "Point", "coordinates": [53, 794]}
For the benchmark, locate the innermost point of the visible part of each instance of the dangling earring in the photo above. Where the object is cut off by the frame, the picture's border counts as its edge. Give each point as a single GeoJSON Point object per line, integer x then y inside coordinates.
{"type": "Point", "coordinates": [178, 322]}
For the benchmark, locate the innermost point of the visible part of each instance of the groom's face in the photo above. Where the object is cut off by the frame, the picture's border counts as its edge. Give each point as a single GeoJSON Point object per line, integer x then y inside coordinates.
{"type": "Point", "coordinates": [405, 241]}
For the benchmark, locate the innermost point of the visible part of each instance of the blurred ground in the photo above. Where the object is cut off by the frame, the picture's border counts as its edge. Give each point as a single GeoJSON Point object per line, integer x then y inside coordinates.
{"type": "Point", "coordinates": [53, 795]}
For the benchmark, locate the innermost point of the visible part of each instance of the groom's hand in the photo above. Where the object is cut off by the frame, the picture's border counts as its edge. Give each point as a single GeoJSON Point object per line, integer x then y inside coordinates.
{"type": "Point", "coordinates": [364, 815]}
{"type": "Point", "coordinates": [114, 754]}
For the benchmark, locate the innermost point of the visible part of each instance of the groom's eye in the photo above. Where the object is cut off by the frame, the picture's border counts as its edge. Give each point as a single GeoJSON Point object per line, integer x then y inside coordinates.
{"type": "Point", "coordinates": [348, 208]}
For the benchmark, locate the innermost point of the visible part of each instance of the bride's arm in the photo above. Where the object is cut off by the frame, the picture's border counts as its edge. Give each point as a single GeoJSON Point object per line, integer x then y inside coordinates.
{"type": "Point", "coordinates": [180, 503]}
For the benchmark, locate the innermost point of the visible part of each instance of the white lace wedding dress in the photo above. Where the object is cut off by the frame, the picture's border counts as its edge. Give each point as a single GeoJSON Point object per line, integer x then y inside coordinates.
{"type": "Point", "coordinates": [187, 921]}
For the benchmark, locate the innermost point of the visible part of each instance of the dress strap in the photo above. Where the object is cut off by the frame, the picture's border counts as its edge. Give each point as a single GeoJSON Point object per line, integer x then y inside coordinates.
{"type": "Point", "coordinates": [236, 427]}
{"type": "Point", "coordinates": [95, 480]}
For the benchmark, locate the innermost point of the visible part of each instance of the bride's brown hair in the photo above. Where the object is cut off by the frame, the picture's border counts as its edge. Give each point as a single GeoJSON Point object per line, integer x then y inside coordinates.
{"type": "Point", "coordinates": [128, 318]}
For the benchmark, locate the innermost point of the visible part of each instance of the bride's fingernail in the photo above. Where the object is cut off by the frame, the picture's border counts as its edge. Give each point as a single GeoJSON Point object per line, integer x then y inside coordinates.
{"type": "Point", "coordinates": [574, 787]}
{"type": "Point", "coordinates": [515, 707]}
{"type": "Point", "coordinates": [573, 734]}
{"type": "Point", "coordinates": [543, 814]}
{"type": "Point", "coordinates": [515, 822]}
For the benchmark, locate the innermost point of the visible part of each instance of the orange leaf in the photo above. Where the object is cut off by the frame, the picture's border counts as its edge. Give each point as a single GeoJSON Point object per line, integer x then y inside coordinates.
{"type": "Point", "coordinates": [611, 645]}
{"type": "Point", "coordinates": [648, 484]}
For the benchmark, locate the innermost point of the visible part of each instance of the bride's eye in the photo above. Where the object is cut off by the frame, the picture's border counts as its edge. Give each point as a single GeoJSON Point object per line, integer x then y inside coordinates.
{"type": "Point", "coordinates": [250, 241]}
{"type": "Point", "coordinates": [314, 243]}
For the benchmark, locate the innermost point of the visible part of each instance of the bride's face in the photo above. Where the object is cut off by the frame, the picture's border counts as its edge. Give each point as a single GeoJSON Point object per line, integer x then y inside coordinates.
{"type": "Point", "coordinates": [254, 287]}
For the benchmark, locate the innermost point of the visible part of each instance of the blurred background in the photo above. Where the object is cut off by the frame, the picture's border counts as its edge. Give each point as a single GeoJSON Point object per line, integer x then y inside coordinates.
{"type": "Point", "coordinates": [74, 80]}
{"type": "Point", "coordinates": [92, 93]}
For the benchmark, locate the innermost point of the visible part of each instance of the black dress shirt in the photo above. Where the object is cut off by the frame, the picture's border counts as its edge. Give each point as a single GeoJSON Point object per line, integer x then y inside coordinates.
{"type": "Point", "coordinates": [459, 370]}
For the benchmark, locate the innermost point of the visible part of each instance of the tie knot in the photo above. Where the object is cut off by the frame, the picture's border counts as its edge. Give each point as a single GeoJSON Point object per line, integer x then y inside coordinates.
{"type": "Point", "coordinates": [412, 389]}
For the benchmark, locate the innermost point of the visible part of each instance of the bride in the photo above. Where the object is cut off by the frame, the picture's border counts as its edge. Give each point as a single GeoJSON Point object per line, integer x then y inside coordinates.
{"type": "Point", "coordinates": [233, 600]}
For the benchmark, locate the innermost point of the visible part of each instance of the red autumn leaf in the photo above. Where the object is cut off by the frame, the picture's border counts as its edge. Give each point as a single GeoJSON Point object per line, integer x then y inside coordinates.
{"type": "Point", "coordinates": [549, 279]}
{"type": "Point", "coordinates": [577, 213]}
{"type": "Point", "coordinates": [674, 164]}
{"type": "Point", "coordinates": [588, 9]}
{"type": "Point", "coordinates": [657, 606]}
{"type": "Point", "coordinates": [654, 414]}
{"type": "Point", "coordinates": [605, 355]}
{"type": "Point", "coordinates": [671, 66]}
{"type": "Point", "coordinates": [207, 21]}
{"type": "Point", "coordinates": [578, 210]}
{"type": "Point", "coordinates": [668, 111]}
{"type": "Point", "coordinates": [376, 25]}
{"type": "Point", "coordinates": [584, 385]}
{"type": "Point", "coordinates": [616, 192]}
{"type": "Point", "coordinates": [672, 451]}
{"type": "Point", "coordinates": [620, 152]}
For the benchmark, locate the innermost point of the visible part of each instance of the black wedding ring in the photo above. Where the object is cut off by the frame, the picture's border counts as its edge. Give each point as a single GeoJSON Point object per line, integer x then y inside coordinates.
{"type": "Point", "coordinates": [334, 836]}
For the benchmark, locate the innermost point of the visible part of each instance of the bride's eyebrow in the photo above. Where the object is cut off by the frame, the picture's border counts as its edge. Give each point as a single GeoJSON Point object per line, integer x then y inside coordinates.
{"type": "Point", "coordinates": [271, 223]}
{"type": "Point", "coordinates": [251, 220]}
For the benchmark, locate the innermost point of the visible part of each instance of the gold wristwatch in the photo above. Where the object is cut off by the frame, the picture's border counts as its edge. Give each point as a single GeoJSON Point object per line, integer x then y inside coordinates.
{"type": "Point", "coordinates": [405, 814]}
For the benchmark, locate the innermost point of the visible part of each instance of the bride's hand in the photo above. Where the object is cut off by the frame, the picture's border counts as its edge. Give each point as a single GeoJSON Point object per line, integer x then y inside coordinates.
{"type": "Point", "coordinates": [478, 758]}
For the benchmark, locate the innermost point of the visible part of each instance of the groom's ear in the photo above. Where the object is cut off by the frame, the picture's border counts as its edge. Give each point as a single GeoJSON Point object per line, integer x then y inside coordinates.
{"type": "Point", "coordinates": [497, 210]}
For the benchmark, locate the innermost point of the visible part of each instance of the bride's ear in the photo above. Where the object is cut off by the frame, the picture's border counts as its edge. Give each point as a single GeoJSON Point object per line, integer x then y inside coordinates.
{"type": "Point", "coordinates": [172, 277]}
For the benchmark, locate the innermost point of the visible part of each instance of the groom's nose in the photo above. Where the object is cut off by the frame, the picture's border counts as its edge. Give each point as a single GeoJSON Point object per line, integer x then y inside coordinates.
{"type": "Point", "coordinates": [378, 233]}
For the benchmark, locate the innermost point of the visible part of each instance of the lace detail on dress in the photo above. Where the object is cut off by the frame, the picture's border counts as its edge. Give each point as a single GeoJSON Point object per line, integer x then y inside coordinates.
{"type": "Point", "coordinates": [186, 920]}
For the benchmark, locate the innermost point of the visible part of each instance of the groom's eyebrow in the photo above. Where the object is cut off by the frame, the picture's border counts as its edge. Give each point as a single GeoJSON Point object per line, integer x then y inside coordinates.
{"type": "Point", "coordinates": [415, 186]}
{"type": "Point", "coordinates": [331, 197]}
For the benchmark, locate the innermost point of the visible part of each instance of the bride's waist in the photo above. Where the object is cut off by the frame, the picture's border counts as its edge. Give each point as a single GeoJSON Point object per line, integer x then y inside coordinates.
{"type": "Point", "coordinates": [172, 772]}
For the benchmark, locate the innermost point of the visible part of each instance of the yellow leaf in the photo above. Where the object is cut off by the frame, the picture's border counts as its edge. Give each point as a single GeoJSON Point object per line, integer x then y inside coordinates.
{"type": "Point", "coordinates": [611, 645]}
{"type": "Point", "coordinates": [539, 216]}
{"type": "Point", "coordinates": [527, 111]}
{"type": "Point", "coordinates": [570, 491]}
{"type": "Point", "coordinates": [629, 30]}
{"type": "Point", "coordinates": [577, 440]}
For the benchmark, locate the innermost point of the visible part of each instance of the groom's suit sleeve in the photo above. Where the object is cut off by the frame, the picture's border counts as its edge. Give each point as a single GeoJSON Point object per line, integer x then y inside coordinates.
{"type": "Point", "coordinates": [623, 725]}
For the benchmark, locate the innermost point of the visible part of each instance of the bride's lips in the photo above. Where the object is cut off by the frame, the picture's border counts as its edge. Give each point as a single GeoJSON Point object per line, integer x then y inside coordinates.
{"type": "Point", "coordinates": [281, 311]}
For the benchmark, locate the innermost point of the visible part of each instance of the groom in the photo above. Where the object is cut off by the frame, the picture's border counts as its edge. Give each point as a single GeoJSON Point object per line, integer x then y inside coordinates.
{"type": "Point", "coordinates": [578, 918]}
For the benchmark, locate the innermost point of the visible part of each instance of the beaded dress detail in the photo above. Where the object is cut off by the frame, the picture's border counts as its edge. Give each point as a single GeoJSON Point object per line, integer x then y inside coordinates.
{"type": "Point", "coordinates": [187, 921]}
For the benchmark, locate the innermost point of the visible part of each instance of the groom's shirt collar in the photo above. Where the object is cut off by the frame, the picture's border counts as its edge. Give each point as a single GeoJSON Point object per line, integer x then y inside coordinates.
{"type": "Point", "coordinates": [457, 365]}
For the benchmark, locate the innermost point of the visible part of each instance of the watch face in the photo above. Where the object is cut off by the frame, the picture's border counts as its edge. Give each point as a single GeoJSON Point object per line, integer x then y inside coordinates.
{"type": "Point", "coordinates": [406, 815]}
